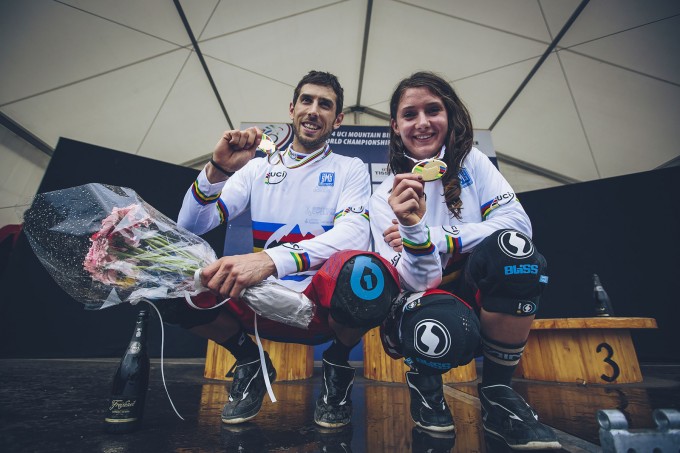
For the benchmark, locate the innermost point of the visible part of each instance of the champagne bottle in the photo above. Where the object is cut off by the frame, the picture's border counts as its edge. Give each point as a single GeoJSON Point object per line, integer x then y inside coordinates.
{"type": "Point", "coordinates": [130, 383]}
{"type": "Point", "coordinates": [603, 306]}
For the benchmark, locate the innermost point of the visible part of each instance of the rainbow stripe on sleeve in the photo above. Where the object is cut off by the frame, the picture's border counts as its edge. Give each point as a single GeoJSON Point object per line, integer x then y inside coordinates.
{"type": "Point", "coordinates": [453, 244]}
{"type": "Point", "coordinates": [301, 261]}
{"type": "Point", "coordinates": [349, 210]}
{"type": "Point", "coordinates": [487, 207]}
{"type": "Point", "coordinates": [426, 248]}
{"type": "Point", "coordinates": [365, 215]}
{"type": "Point", "coordinates": [202, 198]}
{"type": "Point", "coordinates": [223, 211]}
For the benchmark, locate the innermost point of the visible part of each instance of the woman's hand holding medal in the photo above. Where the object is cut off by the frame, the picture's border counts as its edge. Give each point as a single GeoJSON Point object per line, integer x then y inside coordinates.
{"type": "Point", "coordinates": [407, 198]}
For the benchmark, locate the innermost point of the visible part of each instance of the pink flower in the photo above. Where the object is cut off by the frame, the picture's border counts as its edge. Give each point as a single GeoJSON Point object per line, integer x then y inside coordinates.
{"type": "Point", "coordinates": [131, 248]}
{"type": "Point", "coordinates": [97, 254]}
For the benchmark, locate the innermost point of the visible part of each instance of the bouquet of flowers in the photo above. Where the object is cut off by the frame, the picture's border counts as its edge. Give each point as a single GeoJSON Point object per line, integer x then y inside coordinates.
{"type": "Point", "coordinates": [105, 245]}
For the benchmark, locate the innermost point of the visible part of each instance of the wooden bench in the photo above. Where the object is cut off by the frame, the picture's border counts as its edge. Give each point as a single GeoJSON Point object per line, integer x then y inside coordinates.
{"type": "Point", "coordinates": [583, 350]}
{"type": "Point", "coordinates": [291, 361]}
{"type": "Point", "coordinates": [381, 367]}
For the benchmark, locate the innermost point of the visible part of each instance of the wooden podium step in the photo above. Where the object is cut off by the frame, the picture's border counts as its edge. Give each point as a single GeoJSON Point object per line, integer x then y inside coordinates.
{"type": "Point", "coordinates": [583, 350]}
{"type": "Point", "coordinates": [291, 361]}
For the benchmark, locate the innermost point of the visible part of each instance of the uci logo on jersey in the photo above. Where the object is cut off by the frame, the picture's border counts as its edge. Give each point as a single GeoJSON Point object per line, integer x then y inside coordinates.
{"type": "Point", "coordinates": [274, 177]}
{"type": "Point", "coordinates": [326, 179]}
{"type": "Point", "coordinates": [521, 269]}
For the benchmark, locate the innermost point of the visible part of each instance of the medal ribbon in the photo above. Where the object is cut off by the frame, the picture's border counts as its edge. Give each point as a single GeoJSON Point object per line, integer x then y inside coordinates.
{"type": "Point", "coordinates": [269, 148]}
{"type": "Point", "coordinates": [439, 156]}
{"type": "Point", "coordinates": [323, 152]}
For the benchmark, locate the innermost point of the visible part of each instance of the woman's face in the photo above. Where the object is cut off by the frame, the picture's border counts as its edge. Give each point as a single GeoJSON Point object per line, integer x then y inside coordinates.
{"type": "Point", "coordinates": [421, 122]}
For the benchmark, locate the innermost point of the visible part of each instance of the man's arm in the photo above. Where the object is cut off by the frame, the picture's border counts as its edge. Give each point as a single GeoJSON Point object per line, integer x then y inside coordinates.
{"type": "Point", "coordinates": [204, 207]}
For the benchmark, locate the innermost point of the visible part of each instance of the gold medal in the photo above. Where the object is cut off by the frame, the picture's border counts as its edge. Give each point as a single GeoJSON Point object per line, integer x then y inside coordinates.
{"type": "Point", "coordinates": [430, 169]}
{"type": "Point", "coordinates": [266, 145]}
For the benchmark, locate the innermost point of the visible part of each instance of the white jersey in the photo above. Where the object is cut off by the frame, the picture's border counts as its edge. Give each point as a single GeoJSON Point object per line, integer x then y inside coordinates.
{"type": "Point", "coordinates": [300, 215]}
{"type": "Point", "coordinates": [436, 248]}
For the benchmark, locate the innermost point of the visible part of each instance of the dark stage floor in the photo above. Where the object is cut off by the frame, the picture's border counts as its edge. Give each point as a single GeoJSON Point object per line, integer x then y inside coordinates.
{"type": "Point", "coordinates": [59, 405]}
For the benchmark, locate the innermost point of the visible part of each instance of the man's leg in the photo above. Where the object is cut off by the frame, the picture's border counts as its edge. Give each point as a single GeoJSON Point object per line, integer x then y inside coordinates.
{"type": "Point", "coordinates": [219, 325]}
{"type": "Point", "coordinates": [334, 406]}
{"type": "Point", "coordinates": [358, 289]}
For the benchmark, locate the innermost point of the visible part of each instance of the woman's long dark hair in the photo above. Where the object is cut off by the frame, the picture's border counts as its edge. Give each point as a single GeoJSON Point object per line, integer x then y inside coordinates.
{"type": "Point", "coordinates": [459, 134]}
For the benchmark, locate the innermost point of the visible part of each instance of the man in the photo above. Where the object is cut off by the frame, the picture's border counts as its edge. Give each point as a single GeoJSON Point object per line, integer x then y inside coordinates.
{"type": "Point", "coordinates": [308, 209]}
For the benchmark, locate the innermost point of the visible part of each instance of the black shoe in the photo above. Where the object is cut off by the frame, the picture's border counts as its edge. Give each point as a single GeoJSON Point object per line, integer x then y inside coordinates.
{"type": "Point", "coordinates": [247, 391]}
{"type": "Point", "coordinates": [334, 405]}
{"type": "Point", "coordinates": [506, 415]}
{"type": "Point", "coordinates": [428, 405]}
{"type": "Point", "coordinates": [432, 442]}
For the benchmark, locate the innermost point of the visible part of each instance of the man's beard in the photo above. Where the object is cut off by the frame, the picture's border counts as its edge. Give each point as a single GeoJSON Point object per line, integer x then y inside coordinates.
{"type": "Point", "coordinates": [310, 144]}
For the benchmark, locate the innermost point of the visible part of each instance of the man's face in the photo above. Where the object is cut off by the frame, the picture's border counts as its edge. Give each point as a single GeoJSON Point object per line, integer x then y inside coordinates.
{"type": "Point", "coordinates": [314, 117]}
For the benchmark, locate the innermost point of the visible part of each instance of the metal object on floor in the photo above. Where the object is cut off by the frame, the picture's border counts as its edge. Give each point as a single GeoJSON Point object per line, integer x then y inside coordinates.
{"type": "Point", "coordinates": [616, 438]}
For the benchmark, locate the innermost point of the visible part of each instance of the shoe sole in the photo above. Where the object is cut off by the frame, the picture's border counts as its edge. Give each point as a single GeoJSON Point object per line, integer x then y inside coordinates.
{"type": "Point", "coordinates": [331, 425]}
{"type": "Point", "coordinates": [438, 429]}
{"type": "Point", "coordinates": [535, 445]}
{"type": "Point", "coordinates": [236, 421]}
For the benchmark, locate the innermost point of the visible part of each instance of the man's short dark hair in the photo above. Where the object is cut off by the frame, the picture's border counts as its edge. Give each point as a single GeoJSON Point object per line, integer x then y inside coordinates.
{"type": "Point", "coordinates": [325, 79]}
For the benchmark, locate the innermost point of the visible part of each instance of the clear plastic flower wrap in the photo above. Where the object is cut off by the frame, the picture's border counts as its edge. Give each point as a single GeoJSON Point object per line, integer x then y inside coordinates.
{"type": "Point", "coordinates": [105, 245]}
{"type": "Point", "coordinates": [278, 303]}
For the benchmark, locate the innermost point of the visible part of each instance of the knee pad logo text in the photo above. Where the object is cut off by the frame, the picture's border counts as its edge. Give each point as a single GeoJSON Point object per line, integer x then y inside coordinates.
{"type": "Point", "coordinates": [521, 269]}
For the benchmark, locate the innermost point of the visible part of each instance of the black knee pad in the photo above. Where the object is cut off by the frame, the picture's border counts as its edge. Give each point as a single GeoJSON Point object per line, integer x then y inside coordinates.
{"type": "Point", "coordinates": [359, 287]}
{"type": "Point", "coordinates": [438, 332]}
{"type": "Point", "coordinates": [177, 312]}
{"type": "Point", "coordinates": [509, 273]}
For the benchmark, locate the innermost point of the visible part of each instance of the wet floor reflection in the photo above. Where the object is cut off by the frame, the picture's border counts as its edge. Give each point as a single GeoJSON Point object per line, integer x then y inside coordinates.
{"type": "Point", "coordinates": [58, 406]}
{"type": "Point", "coordinates": [286, 424]}
{"type": "Point", "coordinates": [573, 408]}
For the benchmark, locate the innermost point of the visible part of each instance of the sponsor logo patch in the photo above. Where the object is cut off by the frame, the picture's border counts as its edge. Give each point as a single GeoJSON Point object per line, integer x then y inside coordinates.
{"type": "Point", "coordinates": [327, 179]}
{"type": "Point", "coordinates": [515, 244]}
{"type": "Point", "coordinates": [465, 179]}
{"type": "Point", "coordinates": [432, 339]}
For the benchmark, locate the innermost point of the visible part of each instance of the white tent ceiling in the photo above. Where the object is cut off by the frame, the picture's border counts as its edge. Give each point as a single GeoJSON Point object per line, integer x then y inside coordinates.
{"type": "Point", "coordinates": [124, 74]}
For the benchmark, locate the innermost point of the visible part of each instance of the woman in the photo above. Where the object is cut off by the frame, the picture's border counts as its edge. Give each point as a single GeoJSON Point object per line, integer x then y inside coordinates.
{"type": "Point", "coordinates": [460, 240]}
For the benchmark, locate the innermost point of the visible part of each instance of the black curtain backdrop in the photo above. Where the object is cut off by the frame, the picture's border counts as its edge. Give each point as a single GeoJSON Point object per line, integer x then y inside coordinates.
{"type": "Point", "coordinates": [623, 229]}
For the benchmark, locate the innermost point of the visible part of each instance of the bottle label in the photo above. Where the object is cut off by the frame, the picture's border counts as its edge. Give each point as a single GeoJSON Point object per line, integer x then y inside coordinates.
{"type": "Point", "coordinates": [122, 410]}
{"type": "Point", "coordinates": [135, 347]}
